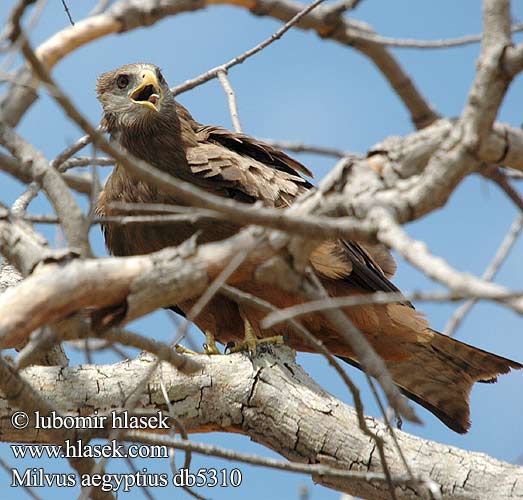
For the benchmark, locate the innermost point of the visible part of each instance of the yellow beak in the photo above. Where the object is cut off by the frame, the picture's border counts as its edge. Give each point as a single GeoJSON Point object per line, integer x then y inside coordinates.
{"type": "Point", "coordinates": [149, 92]}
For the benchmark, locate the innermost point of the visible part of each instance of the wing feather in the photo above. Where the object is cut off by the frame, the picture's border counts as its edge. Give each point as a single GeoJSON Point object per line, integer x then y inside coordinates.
{"type": "Point", "coordinates": [248, 169]}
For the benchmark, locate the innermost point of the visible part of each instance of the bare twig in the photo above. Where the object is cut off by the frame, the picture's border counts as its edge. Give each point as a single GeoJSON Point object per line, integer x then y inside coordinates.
{"type": "Point", "coordinates": [231, 100]}
{"type": "Point", "coordinates": [339, 7]}
{"type": "Point", "coordinates": [501, 255]}
{"type": "Point", "coordinates": [68, 12]}
{"type": "Point", "coordinates": [390, 429]}
{"type": "Point", "coordinates": [432, 44]}
{"type": "Point", "coordinates": [273, 463]}
{"type": "Point", "coordinates": [37, 168]}
{"type": "Point", "coordinates": [183, 433]}
{"type": "Point", "coordinates": [100, 7]}
{"type": "Point", "coordinates": [282, 315]}
{"type": "Point", "coordinates": [71, 150]}
{"type": "Point", "coordinates": [131, 402]}
{"type": "Point", "coordinates": [300, 147]}
{"type": "Point", "coordinates": [500, 178]}
{"type": "Point", "coordinates": [436, 268]}
{"type": "Point", "coordinates": [27, 489]}
{"type": "Point", "coordinates": [83, 161]}
{"type": "Point", "coordinates": [243, 297]}
{"type": "Point", "coordinates": [371, 363]}
{"type": "Point", "coordinates": [22, 202]}
{"type": "Point", "coordinates": [235, 262]}
{"type": "Point", "coordinates": [223, 68]}
{"type": "Point", "coordinates": [163, 351]}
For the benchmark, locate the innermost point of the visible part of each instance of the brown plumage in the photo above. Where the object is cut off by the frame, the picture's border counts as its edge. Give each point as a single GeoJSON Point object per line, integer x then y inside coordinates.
{"type": "Point", "coordinates": [141, 114]}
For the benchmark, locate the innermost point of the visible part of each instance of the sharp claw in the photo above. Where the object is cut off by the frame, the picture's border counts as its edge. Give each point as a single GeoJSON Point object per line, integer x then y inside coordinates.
{"type": "Point", "coordinates": [210, 347]}
{"type": "Point", "coordinates": [250, 341]}
{"type": "Point", "coordinates": [183, 350]}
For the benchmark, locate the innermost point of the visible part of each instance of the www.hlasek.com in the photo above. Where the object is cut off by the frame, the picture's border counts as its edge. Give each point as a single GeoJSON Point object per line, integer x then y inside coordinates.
{"type": "Point", "coordinates": [37, 477]}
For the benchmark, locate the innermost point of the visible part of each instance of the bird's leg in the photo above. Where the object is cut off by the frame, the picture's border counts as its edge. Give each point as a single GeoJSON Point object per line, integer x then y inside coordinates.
{"type": "Point", "coordinates": [209, 347]}
{"type": "Point", "coordinates": [181, 349]}
{"type": "Point", "coordinates": [210, 344]}
{"type": "Point", "coordinates": [250, 341]}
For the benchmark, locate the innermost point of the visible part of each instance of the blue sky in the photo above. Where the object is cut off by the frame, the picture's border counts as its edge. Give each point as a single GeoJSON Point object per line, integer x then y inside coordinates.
{"type": "Point", "coordinates": [307, 89]}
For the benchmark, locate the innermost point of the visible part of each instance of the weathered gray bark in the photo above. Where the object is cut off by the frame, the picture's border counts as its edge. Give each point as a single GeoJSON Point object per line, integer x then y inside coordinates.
{"type": "Point", "coordinates": [273, 401]}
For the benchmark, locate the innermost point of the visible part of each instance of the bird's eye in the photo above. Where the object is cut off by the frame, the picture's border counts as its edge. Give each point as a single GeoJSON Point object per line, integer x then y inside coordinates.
{"type": "Point", "coordinates": [161, 79]}
{"type": "Point", "coordinates": [122, 81]}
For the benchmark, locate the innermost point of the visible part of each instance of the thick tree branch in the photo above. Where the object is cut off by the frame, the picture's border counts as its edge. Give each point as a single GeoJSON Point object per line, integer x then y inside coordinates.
{"type": "Point", "coordinates": [273, 401]}
{"type": "Point", "coordinates": [33, 164]}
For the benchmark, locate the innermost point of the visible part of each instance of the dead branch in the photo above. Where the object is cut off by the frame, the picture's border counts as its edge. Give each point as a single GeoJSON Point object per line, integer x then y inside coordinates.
{"type": "Point", "coordinates": [273, 401]}
{"type": "Point", "coordinates": [123, 16]}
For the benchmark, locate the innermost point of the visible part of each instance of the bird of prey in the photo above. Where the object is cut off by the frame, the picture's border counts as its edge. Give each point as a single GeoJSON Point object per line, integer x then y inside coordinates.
{"type": "Point", "coordinates": [141, 114]}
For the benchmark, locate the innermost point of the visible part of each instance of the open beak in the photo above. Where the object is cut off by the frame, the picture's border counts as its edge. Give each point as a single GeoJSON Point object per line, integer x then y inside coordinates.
{"type": "Point", "coordinates": [148, 93]}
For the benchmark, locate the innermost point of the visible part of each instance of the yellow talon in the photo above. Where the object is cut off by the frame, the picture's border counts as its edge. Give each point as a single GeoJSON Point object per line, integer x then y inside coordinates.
{"type": "Point", "coordinates": [184, 350]}
{"type": "Point", "coordinates": [250, 341]}
{"type": "Point", "coordinates": [209, 347]}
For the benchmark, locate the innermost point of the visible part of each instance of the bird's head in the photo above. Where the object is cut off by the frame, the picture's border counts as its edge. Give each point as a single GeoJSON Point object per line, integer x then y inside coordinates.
{"type": "Point", "coordinates": [133, 95]}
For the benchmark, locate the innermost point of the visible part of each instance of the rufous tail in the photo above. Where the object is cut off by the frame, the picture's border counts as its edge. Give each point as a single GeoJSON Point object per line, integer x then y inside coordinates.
{"type": "Point", "coordinates": [440, 374]}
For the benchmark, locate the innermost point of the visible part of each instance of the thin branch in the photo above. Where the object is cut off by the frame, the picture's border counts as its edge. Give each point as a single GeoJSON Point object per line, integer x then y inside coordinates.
{"type": "Point", "coordinates": [313, 306]}
{"type": "Point", "coordinates": [79, 182]}
{"type": "Point", "coordinates": [367, 357]}
{"type": "Point", "coordinates": [122, 220]}
{"type": "Point", "coordinates": [68, 12]}
{"type": "Point", "coordinates": [124, 17]}
{"type": "Point", "coordinates": [248, 458]}
{"type": "Point", "coordinates": [319, 347]}
{"type": "Point", "coordinates": [390, 429]}
{"type": "Point", "coordinates": [223, 68]}
{"type": "Point", "coordinates": [84, 161]}
{"type": "Point", "coordinates": [27, 489]}
{"type": "Point", "coordinates": [432, 44]}
{"type": "Point", "coordinates": [415, 252]}
{"type": "Point", "coordinates": [38, 169]}
{"type": "Point", "coordinates": [300, 147]}
{"type": "Point", "coordinates": [339, 7]}
{"type": "Point", "coordinates": [14, 46]}
{"type": "Point", "coordinates": [499, 176]}
{"type": "Point", "coordinates": [133, 468]}
{"type": "Point", "coordinates": [501, 255]}
{"type": "Point", "coordinates": [231, 100]}
{"type": "Point", "coordinates": [100, 7]}
{"type": "Point", "coordinates": [163, 351]}
{"type": "Point", "coordinates": [71, 150]}
{"type": "Point", "coordinates": [22, 202]}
